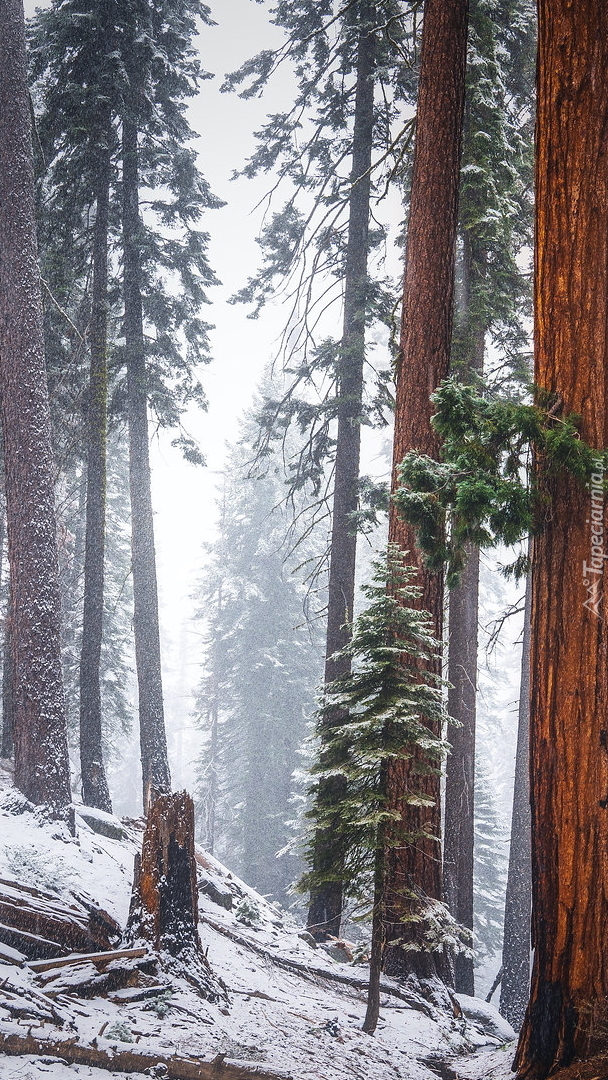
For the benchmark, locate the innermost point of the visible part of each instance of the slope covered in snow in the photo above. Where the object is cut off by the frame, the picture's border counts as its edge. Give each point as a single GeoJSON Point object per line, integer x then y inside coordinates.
{"type": "Point", "coordinates": [290, 1008]}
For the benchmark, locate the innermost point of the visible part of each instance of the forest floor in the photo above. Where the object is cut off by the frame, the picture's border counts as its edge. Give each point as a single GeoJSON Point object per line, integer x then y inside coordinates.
{"type": "Point", "coordinates": [288, 1009]}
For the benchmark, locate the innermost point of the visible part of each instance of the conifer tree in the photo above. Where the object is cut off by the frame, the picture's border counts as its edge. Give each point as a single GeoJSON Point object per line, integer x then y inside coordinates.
{"type": "Point", "coordinates": [495, 220]}
{"type": "Point", "coordinates": [263, 662]}
{"type": "Point", "coordinates": [136, 65]}
{"type": "Point", "coordinates": [341, 56]}
{"type": "Point", "coordinates": [566, 1016]}
{"type": "Point", "coordinates": [423, 362]}
{"type": "Point", "coordinates": [515, 982]}
{"type": "Point", "coordinates": [389, 713]}
{"type": "Point", "coordinates": [39, 728]}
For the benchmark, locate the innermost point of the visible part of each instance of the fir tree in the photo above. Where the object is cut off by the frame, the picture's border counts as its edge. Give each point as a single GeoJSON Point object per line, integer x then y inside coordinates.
{"type": "Point", "coordinates": [41, 758]}
{"type": "Point", "coordinates": [345, 63]}
{"type": "Point", "coordinates": [391, 708]}
{"type": "Point", "coordinates": [130, 67]}
{"type": "Point", "coordinates": [263, 662]}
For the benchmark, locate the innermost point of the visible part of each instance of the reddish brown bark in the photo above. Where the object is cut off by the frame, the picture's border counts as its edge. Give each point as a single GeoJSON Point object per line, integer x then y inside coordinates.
{"type": "Point", "coordinates": [423, 363]}
{"type": "Point", "coordinates": [164, 903]}
{"type": "Point", "coordinates": [41, 757]}
{"type": "Point", "coordinates": [566, 1016]}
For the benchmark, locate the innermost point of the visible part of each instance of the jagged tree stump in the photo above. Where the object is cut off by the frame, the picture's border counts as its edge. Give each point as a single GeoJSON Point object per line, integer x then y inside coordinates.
{"type": "Point", "coordinates": [164, 903]}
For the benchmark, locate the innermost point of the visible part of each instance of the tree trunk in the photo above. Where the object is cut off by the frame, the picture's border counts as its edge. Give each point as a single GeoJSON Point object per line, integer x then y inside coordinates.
{"type": "Point", "coordinates": [325, 910]}
{"type": "Point", "coordinates": [164, 903]}
{"type": "Point", "coordinates": [459, 825]}
{"type": "Point", "coordinates": [95, 791]}
{"type": "Point", "coordinates": [566, 1016]}
{"type": "Point", "coordinates": [41, 755]}
{"type": "Point", "coordinates": [423, 363]}
{"type": "Point", "coordinates": [154, 759]}
{"type": "Point", "coordinates": [515, 982]}
{"type": "Point", "coordinates": [7, 682]}
{"type": "Point", "coordinates": [372, 1011]}
{"type": "Point", "coordinates": [459, 836]}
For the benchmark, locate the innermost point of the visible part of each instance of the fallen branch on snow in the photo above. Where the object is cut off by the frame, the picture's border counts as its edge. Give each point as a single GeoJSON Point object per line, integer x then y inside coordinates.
{"type": "Point", "coordinates": [313, 973]}
{"type": "Point", "coordinates": [130, 1061]}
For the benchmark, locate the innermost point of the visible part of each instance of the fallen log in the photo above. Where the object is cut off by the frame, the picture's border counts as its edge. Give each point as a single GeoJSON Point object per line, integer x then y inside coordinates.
{"type": "Point", "coordinates": [314, 973]}
{"type": "Point", "coordinates": [130, 1061]}
{"type": "Point", "coordinates": [100, 959]}
{"type": "Point", "coordinates": [41, 924]}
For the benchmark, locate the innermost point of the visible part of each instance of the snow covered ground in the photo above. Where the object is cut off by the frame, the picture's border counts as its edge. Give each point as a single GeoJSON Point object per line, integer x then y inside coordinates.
{"type": "Point", "coordinates": [290, 1009]}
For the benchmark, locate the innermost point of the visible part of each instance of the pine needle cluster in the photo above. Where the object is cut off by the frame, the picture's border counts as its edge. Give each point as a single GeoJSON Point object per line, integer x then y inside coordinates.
{"type": "Point", "coordinates": [486, 489]}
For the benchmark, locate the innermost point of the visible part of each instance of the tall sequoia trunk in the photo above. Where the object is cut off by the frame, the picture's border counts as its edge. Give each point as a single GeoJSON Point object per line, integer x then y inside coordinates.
{"type": "Point", "coordinates": [515, 982]}
{"type": "Point", "coordinates": [95, 791]}
{"type": "Point", "coordinates": [459, 825]}
{"type": "Point", "coordinates": [423, 363]}
{"type": "Point", "coordinates": [326, 902]}
{"type": "Point", "coordinates": [41, 754]}
{"type": "Point", "coordinates": [567, 1013]}
{"type": "Point", "coordinates": [154, 760]}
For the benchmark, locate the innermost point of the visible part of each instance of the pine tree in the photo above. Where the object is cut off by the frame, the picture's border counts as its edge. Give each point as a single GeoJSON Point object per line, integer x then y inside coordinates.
{"type": "Point", "coordinates": [39, 728]}
{"type": "Point", "coordinates": [340, 58]}
{"type": "Point", "coordinates": [137, 66]}
{"type": "Point", "coordinates": [515, 982]}
{"type": "Point", "coordinates": [263, 662]}
{"type": "Point", "coordinates": [389, 713]}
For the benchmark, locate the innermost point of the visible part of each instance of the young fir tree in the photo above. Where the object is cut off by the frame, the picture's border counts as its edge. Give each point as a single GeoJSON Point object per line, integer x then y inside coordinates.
{"type": "Point", "coordinates": [492, 294]}
{"type": "Point", "coordinates": [39, 728]}
{"type": "Point", "coordinates": [391, 708]}
{"type": "Point", "coordinates": [263, 661]}
{"type": "Point", "coordinates": [137, 65]}
{"type": "Point", "coordinates": [345, 61]}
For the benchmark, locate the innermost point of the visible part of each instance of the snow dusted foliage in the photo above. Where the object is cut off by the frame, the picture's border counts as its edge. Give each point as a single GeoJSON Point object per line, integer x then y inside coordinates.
{"type": "Point", "coordinates": [262, 663]}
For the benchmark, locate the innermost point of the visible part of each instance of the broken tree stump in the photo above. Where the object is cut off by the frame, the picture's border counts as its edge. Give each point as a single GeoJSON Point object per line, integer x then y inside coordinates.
{"type": "Point", "coordinates": [164, 903]}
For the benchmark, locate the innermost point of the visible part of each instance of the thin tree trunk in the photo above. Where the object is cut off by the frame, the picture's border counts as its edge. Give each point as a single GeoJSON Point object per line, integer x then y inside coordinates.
{"type": "Point", "coordinates": [459, 825]}
{"type": "Point", "coordinates": [566, 1016]}
{"type": "Point", "coordinates": [423, 363]}
{"type": "Point", "coordinates": [95, 791]}
{"type": "Point", "coordinates": [41, 754]}
{"type": "Point", "coordinates": [515, 982]}
{"type": "Point", "coordinates": [459, 833]}
{"type": "Point", "coordinates": [325, 910]}
{"type": "Point", "coordinates": [372, 1012]}
{"type": "Point", "coordinates": [154, 759]}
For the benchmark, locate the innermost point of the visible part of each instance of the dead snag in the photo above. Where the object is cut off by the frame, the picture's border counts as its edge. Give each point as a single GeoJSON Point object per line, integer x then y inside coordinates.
{"type": "Point", "coordinates": [164, 903]}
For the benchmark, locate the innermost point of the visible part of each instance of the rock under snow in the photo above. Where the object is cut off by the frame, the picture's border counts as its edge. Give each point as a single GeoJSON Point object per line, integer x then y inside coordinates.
{"type": "Point", "coordinates": [486, 1017]}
